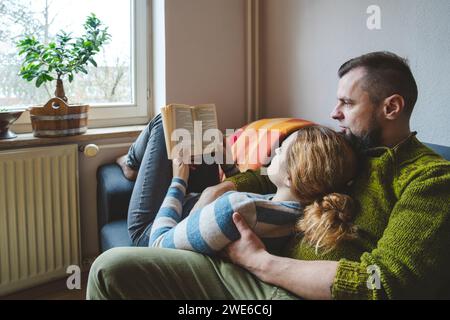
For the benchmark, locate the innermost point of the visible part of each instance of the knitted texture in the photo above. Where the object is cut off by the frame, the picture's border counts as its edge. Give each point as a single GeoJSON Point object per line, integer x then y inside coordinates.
{"type": "Point", "coordinates": [403, 220]}
{"type": "Point", "coordinates": [210, 229]}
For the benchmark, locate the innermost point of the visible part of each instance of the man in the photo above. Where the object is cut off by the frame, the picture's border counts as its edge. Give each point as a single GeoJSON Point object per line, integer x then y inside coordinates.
{"type": "Point", "coordinates": [403, 218]}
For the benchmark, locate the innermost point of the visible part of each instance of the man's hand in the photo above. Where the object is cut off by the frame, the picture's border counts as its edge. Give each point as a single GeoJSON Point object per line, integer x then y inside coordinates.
{"type": "Point", "coordinates": [307, 279]}
{"type": "Point", "coordinates": [249, 251]}
{"type": "Point", "coordinates": [212, 193]}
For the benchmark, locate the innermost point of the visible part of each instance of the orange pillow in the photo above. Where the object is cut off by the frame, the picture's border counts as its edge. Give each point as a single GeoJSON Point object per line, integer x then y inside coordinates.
{"type": "Point", "coordinates": [252, 145]}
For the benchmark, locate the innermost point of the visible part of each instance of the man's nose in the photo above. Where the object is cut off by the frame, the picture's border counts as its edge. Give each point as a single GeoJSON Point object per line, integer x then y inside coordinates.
{"type": "Point", "coordinates": [336, 114]}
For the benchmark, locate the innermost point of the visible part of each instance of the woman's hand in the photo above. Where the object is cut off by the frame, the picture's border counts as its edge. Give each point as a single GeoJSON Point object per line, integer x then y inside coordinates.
{"type": "Point", "coordinates": [249, 251]}
{"type": "Point", "coordinates": [180, 170]}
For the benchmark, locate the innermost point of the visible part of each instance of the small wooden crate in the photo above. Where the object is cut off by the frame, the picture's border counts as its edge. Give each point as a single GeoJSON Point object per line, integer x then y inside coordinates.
{"type": "Point", "coordinates": [58, 119]}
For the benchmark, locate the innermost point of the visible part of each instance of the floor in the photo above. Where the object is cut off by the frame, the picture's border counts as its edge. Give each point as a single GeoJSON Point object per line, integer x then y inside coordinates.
{"type": "Point", "coordinates": [53, 291]}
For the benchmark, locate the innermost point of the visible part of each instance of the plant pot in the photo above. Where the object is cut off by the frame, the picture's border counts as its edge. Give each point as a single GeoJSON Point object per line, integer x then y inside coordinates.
{"type": "Point", "coordinates": [7, 118]}
{"type": "Point", "coordinates": [59, 119]}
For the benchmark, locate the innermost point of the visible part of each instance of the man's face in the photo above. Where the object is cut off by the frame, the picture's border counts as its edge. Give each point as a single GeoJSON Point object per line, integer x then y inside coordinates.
{"type": "Point", "coordinates": [357, 115]}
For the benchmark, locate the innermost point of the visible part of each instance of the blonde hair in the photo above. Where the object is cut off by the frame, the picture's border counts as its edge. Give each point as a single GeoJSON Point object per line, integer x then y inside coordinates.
{"type": "Point", "coordinates": [321, 164]}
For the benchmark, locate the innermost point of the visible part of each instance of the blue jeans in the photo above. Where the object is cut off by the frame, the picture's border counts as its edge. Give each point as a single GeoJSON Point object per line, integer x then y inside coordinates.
{"type": "Point", "coordinates": [148, 155]}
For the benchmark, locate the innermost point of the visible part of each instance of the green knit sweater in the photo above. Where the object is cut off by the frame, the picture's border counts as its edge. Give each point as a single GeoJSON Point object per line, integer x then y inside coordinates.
{"type": "Point", "coordinates": [403, 219]}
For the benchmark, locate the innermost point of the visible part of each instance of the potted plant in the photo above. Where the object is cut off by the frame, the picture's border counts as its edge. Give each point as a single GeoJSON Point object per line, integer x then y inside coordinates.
{"type": "Point", "coordinates": [56, 61]}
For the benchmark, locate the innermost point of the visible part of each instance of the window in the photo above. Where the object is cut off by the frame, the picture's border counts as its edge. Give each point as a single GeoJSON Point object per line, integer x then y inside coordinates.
{"type": "Point", "coordinates": [117, 89]}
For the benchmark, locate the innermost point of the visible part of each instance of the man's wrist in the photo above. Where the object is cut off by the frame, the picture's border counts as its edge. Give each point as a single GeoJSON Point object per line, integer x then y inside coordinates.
{"type": "Point", "coordinates": [262, 264]}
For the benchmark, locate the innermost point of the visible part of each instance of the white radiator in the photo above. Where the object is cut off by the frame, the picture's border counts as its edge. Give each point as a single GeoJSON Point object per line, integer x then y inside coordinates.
{"type": "Point", "coordinates": [39, 216]}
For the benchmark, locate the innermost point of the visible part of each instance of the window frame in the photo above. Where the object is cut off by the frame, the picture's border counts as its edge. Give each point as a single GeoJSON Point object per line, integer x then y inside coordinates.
{"type": "Point", "coordinates": [141, 110]}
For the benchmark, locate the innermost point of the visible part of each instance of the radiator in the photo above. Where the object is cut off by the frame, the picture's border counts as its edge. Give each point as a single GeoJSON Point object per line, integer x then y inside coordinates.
{"type": "Point", "coordinates": [39, 216]}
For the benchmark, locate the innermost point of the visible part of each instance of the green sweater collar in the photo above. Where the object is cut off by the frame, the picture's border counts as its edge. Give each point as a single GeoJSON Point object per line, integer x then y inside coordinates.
{"type": "Point", "coordinates": [406, 146]}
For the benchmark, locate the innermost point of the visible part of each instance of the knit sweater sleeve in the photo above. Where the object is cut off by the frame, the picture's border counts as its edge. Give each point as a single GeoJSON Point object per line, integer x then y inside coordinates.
{"type": "Point", "coordinates": [412, 258]}
{"type": "Point", "coordinates": [207, 230]}
{"type": "Point", "coordinates": [170, 213]}
{"type": "Point", "coordinates": [253, 181]}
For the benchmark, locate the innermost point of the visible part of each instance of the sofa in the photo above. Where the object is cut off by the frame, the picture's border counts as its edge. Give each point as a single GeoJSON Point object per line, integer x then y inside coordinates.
{"type": "Point", "coordinates": [113, 196]}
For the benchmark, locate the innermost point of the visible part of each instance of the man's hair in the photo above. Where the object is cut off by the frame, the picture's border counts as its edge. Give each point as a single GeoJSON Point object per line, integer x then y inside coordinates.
{"type": "Point", "coordinates": [386, 74]}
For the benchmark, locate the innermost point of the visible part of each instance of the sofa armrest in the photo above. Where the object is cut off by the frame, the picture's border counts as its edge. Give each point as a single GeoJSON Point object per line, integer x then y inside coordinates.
{"type": "Point", "coordinates": [113, 194]}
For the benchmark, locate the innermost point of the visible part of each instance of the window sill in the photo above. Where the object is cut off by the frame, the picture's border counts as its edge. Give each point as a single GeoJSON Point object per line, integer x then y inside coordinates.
{"type": "Point", "coordinates": [27, 140]}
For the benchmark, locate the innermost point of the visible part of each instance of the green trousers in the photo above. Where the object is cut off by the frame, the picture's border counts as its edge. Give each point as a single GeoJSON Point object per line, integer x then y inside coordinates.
{"type": "Point", "coordinates": [165, 274]}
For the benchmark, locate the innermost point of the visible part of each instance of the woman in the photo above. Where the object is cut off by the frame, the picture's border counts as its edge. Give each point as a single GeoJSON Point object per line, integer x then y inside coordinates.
{"type": "Point", "coordinates": [309, 170]}
{"type": "Point", "coordinates": [147, 162]}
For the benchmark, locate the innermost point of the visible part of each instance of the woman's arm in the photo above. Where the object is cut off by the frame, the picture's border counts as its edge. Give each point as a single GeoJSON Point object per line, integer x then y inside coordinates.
{"type": "Point", "coordinates": [170, 213]}
{"type": "Point", "coordinates": [306, 279]}
{"type": "Point", "coordinates": [208, 230]}
{"type": "Point", "coordinates": [250, 181]}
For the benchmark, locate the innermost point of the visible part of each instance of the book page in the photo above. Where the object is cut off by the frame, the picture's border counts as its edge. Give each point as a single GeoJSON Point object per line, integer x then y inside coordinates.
{"type": "Point", "coordinates": [189, 118]}
{"type": "Point", "coordinates": [167, 125]}
{"type": "Point", "coordinates": [207, 114]}
{"type": "Point", "coordinates": [183, 118]}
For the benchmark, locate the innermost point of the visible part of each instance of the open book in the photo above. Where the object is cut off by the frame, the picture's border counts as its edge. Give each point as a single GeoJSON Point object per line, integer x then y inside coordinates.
{"type": "Point", "coordinates": [184, 127]}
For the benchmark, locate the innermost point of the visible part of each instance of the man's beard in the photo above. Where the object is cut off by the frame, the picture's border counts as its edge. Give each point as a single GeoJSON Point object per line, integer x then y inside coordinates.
{"type": "Point", "coordinates": [368, 140]}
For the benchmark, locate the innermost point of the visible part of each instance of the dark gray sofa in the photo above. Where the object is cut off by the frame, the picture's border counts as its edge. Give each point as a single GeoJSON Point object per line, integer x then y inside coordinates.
{"type": "Point", "coordinates": [113, 196]}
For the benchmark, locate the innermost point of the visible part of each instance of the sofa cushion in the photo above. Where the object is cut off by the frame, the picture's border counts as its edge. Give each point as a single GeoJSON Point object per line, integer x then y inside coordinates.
{"type": "Point", "coordinates": [115, 234]}
{"type": "Point", "coordinates": [113, 194]}
{"type": "Point", "coordinates": [442, 150]}
{"type": "Point", "coordinates": [252, 146]}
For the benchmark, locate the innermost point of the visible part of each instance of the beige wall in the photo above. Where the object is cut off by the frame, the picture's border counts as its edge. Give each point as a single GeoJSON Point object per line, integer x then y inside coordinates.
{"type": "Point", "coordinates": [305, 42]}
{"type": "Point", "coordinates": [204, 62]}
{"type": "Point", "coordinates": [205, 56]}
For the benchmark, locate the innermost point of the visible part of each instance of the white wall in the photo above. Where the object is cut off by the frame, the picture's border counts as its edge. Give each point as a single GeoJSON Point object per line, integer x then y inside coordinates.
{"type": "Point", "coordinates": [305, 42]}
{"type": "Point", "coordinates": [205, 56]}
{"type": "Point", "coordinates": [113, 148]}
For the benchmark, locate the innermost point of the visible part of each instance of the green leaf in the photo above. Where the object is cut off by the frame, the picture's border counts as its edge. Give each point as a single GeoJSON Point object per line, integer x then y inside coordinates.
{"type": "Point", "coordinates": [87, 44]}
{"type": "Point", "coordinates": [92, 61]}
{"type": "Point", "coordinates": [66, 56]}
{"type": "Point", "coordinates": [83, 70]}
{"type": "Point", "coordinates": [48, 77]}
{"type": "Point", "coordinates": [39, 81]}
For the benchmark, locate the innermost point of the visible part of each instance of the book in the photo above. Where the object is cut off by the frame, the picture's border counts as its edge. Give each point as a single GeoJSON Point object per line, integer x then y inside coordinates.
{"type": "Point", "coordinates": [194, 121]}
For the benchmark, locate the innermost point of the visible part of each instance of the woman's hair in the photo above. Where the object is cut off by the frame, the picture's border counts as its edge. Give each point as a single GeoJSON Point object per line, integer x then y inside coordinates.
{"type": "Point", "coordinates": [321, 165]}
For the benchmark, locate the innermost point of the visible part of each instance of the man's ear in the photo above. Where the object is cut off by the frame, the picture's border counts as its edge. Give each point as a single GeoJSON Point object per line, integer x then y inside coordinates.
{"type": "Point", "coordinates": [393, 107]}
